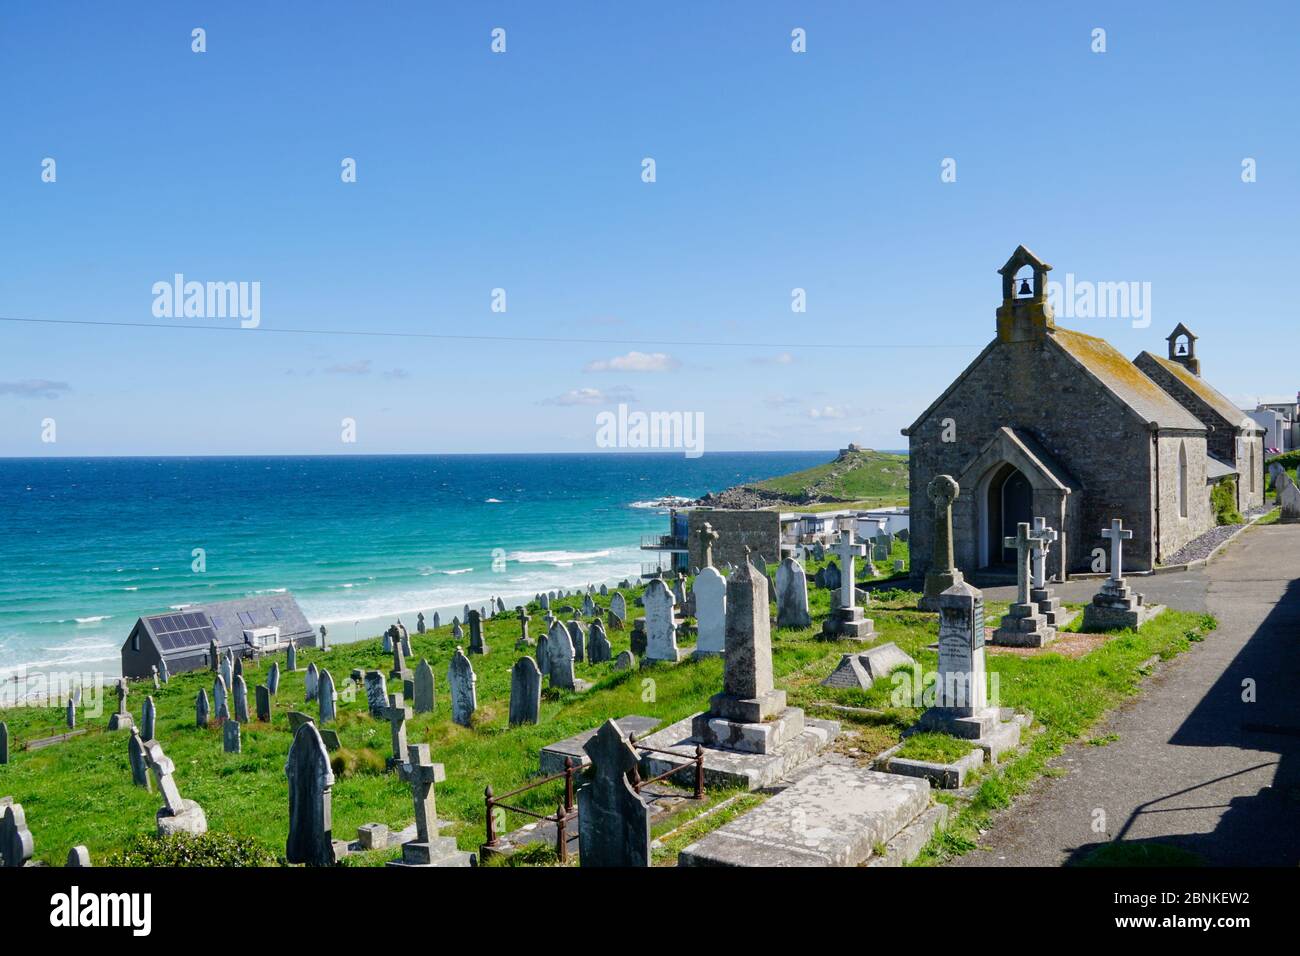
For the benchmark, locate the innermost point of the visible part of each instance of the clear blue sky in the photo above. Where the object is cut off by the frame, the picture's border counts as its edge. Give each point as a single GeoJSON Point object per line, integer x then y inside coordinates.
{"type": "Point", "coordinates": [775, 170]}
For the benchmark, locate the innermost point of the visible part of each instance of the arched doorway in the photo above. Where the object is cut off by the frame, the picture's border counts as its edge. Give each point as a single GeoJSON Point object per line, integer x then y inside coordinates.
{"type": "Point", "coordinates": [1008, 501]}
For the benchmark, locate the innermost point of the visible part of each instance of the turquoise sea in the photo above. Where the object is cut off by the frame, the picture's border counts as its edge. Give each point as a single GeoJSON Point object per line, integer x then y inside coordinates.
{"type": "Point", "coordinates": [89, 545]}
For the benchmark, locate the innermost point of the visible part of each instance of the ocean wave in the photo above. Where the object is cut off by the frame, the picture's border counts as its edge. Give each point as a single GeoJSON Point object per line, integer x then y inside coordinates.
{"type": "Point", "coordinates": [667, 501]}
{"type": "Point", "coordinates": [94, 619]}
{"type": "Point", "coordinates": [492, 501]}
{"type": "Point", "coordinates": [563, 559]}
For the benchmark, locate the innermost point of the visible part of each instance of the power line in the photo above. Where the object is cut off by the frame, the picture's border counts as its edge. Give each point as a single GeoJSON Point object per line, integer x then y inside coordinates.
{"type": "Point", "coordinates": [556, 340]}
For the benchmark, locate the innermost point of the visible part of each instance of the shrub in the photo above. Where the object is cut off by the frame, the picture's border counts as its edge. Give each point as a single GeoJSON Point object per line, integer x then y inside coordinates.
{"type": "Point", "coordinates": [1223, 501]}
{"type": "Point", "coordinates": [209, 849]}
{"type": "Point", "coordinates": [345, 762]}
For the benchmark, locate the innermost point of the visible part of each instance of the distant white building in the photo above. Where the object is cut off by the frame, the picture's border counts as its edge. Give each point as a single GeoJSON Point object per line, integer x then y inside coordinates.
{"type": "Point", "coordinates": [1281, 423]}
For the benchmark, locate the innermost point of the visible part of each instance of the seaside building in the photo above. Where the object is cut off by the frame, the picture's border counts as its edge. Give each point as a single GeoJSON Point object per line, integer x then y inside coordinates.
{"type": "Point", "coordinates": [248, 626]}
{"type": "Point", "coordinates": [671, 554]}
{"type": "Point", "coordinates": [1051, 422]}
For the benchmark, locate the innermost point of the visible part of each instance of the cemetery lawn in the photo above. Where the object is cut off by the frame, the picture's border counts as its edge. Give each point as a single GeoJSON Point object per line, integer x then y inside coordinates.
{"type": "Point", "coordinates": [80, 791]}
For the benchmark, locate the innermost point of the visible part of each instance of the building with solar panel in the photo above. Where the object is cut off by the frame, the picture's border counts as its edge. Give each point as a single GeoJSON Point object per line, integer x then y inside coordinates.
{"type": "Point", "coordinates": [247, 626]}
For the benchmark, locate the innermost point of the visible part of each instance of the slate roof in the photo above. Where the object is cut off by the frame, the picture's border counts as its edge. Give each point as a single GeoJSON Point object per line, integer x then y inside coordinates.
{"type": "Point", "coordinates": [1206, 393]}
{"type": "Point", "coordinates": [1125, 380]}
{"type": "Point", "coordinates": [1215, 469]}
{"type": "Point", "coordinates": [229, 619]}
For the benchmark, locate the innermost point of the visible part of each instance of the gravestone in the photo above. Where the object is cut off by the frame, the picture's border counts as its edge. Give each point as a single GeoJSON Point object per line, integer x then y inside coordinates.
{"type": "Point", "coordinates": [163, 671]}
{"type": "Point", "coordinates": [543, 654]}
{"type": "Point", "coordinates": [397, 713]}
{"type": "Point", "coordinates": [427, 849]}
{"type": "Point", "coordinates": [1288, 497]}
{"type": "Point", "coordinates": [660, 623]}
{"type": "Point", "coordinates": [376, 693]}
{"type": "Point", "coordinates": [176, 815]}
{"type": "Point", "coordinates": [598, 648]}
{"type": "Point", "coordinates": [327, 697]}
{"type": "Point", "coordinates": [847, 620]}
{"type": "Point", "coordinates": [263, 694]}
{"type": "Point", "coordinates": [613, 820]}
{"type": "Point", "coordinates": [241, 699]}
{"type": "Point", "coordinates": [312, 682]}
{"type": "Point", "coordinates": [863, 670]}
{"type": "Point", "coordinates": [122, 719]}
{"type": "Point", "coordinates": [1040, 594]}
{"type": "Point", "coordinates": [1024, 625]}
{"type": "Point", "coordinates": [613, 620]}
{"type": "Point", "coordinates": [545, 602]}
{"type": "Point", "coordinates": [829, 578]}
{"type": "Point", "coordinates": [559, 651]}
{"type": "Point", "coordinates": [399, 671]}
{"type": "Point", "coordinates": [221, 705]}
{"type": "Point", "coordinates": [70, 714]}
{"type": "Point", "coordinates": [461, 680]}
{"type": "Point", "coordinates": [148, 719]}
{"type": "Point", "coordinates": [238, 669]}
{"type": "Point", "coordinates": [214, 656]}
{"type": "Point", "coordinates": [231, 740]}
{"type": "Point", "coordinates": [1116, 605]}
{"type": "Point", "coordinates": [291, 658]}
{"type": "Point", "coordinates": [618, 604]}
{"type": "Point", "coordinates": [638, 637]}
{"type": "Point", "coordinates": [135, 756]}
{"type": "Point", "coordinates": [709, 591]}
{"type": "Point", "coordinates": [227, 669]}
{"type": "Point", "coordinates": [943, 573]}
{"type": "Point", "coordinates": [311, 783]}
{"type": "Point", "coordinates": [153, 668]}
{"type": "Point", "coordinates": [456, 632]}
{"type": "Point", "coordinates": [501, 606]}
{"type": "Point", "coordinates": [524, 640]}
{"type": "Point", "coordinates": [419, 623]}
{"type": "Point", "coordinates": [525, 692]}
{"type": "Point", "coordinates": [437, 620]}
{"type": "Point", "coordinates": [604, 590]}
{"type": "Point", "coordinates": [589, 608]}
{"type": "Point", "coordinates": [273, 679]}
{"type": "Point", "coordinates": [16, 843]}
{"type": "Point", "coordinates": [625, 661]}
{"type": "Point", "coordinates": [579, 639]}
{"type": "Point", "coordinates": [476, 645]}
{"type": "Point", "coordinates": [386, 644]}
{"type": "Point", "coordinates": [425, 693]}
{"type": "Point", "coordinates": [323, 645]}
{"type": "Point", "coordinates": [4, 743]}
{"type": "Point", "coordinates": [201, 709]}
{"type": "Point", "coordinates": [792, 595]}
{"type": "Point", "coordinates": [882, 544]}
{"type": "Point", "coordinates": [79, 856]}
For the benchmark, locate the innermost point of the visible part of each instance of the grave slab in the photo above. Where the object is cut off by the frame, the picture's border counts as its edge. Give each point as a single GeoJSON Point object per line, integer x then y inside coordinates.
{"type": "Point", "coordinates": [552, 755]}
{"type": "Point", "coordinates": [834, 816]}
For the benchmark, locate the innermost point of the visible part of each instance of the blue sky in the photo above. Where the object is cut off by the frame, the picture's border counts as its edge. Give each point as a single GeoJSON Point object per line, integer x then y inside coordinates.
{"type": "Point", "coordinates": [522, 171]}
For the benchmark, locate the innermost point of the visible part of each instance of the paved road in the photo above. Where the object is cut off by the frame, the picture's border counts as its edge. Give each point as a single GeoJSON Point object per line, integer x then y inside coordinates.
{"type": "Point", "coordinates": [1194, 766]}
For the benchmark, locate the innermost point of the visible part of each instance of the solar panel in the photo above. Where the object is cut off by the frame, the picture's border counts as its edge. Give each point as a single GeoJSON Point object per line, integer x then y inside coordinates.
{"type": "Point", "coordinates": [176, 631]}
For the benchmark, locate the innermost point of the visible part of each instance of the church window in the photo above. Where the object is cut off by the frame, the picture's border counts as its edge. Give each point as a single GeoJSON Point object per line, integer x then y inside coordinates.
{"type": "Point", "coordinates": [1182, 480]}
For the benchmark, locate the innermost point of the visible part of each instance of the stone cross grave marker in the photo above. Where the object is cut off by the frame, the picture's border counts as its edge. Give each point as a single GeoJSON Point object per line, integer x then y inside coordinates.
{"type": "Point", "coordinates": [176, 814]}
{"type": "Point", "coordinates": [122, 719]}
{"type": "Point", "coordinates": [423, 773]}
{"type": "Point", "coordinates": [1117, 534]}
{"type": "Point", "coordinates": [1024, 542]}
{"type": "Point", "coordinates": [710, 592]}
{"type": "Point", "coordinates": [523, 627]}
{"type": "Point", "coordinates": [1023, 625]}
{"type": "Point", "coordinates": [660, 623]}
{"type": "Point", "coordinates": [942, 573]}
{"type": "Point", "coordinates": [525, 692]}
{"type": "Point", "coordinates": [397, 713]}
{"type": "Point", "coordinates": [1044, 537]}
{"type": "Point", "coordinates": [311, 782]}
{"type": "Point", "coordinates": [613, 820]}
{"type": "Point", "coordinates": [707, 537]}
{"type": "Point", "coordinates": [847, 549]}
{"type": "Point", "coordinates": [425, 694]}
{"type": "Point", "coordinates": [464, 694]}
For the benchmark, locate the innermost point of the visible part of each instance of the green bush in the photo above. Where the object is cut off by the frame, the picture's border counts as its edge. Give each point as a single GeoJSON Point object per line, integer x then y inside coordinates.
{"type": "Point", "coordinates": [1288, 460]}
{"type": "Point", "coordinates": [209, 849]}
{"type": "Point", "coordinates": [1223, 499]}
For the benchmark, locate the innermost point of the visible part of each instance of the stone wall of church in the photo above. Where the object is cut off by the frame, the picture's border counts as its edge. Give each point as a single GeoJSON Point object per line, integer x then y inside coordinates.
{"type": "Point", "coordinates": [1034, 386]}
{"type": "Point", "coordinates": [1176, 530]}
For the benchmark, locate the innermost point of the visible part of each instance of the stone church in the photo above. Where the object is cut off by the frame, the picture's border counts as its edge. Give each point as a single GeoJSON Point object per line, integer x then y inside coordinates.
{"type": "Point", "coordinates": [1054, 423]}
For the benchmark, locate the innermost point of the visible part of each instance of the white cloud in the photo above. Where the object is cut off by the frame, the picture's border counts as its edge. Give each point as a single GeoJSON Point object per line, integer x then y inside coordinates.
{"type": "Point", "coordinates": [34, 388]}
{"type": "Point", "coordinates": [591, 396]}
{"type": "Point", "coordinates": [828, 411]}
{"type": "Point", "coordinates": [635, 362]}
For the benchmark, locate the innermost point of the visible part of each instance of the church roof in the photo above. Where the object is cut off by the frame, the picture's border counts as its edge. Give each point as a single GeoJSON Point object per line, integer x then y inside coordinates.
{"type": "Point", "coordinates": [1206, 393]}
{"type": "Point", "coordinates": [1125, 380]}
{"type": "Point", "coordinates": [1215, 469]}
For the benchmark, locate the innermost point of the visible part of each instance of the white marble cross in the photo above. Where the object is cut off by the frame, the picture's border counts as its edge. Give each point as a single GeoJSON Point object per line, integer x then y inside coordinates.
{"type": "Point", "coordinates": [1049, 535]}
{"type": "Point", "coordinates": [1023, 542]}
{"type": "Point", "coordinates": [1117, 534]}
{"type": "Point", "coordinates": [847, 549]}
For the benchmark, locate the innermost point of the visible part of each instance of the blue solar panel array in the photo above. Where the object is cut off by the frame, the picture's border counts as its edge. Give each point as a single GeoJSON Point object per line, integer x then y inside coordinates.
{"type": "Point", "coordinates": [182, 629]}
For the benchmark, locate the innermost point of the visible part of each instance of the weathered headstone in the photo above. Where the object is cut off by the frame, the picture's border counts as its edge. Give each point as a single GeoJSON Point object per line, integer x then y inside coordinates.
{"type": "Point", "coordinates": [221, 704]}
{"type": "Point", "coordinates": [386, 640]}
{"type": "Point", "coordinates": [525, 692]}
{"type": "Point", "coordinates": [163, 671]}
{"type": "Point", "coordinates": [476, 644]}
{"type": "Point", "coordinates": [961, 694]}
{"type": "Point", "coordinates": [943, 573]}
{"type": "Point", "coordinates": [328, 697]}
{"type": "Point", "coordinates": [202, 711]}
{"type": "Point", "coordinates": [425, 693]}
{"type": "Point", "coordinates": [457, 632]}
{"type": "Point", "coordinates": [376, 693]}
{"type": "Point", "coordinates": [148, 719]}
{"type": "Point", "coordinates": [397, 713]}
{"type": "Point", "coordinates": [559, 652]}
{"type": "Point", "coordinates": [273, 679]}
{"type": "Point", "coordinates": [613, 820]}
{"type": "Point", "coordinates": [618, 604]}
{"type": "Point", "coordinates": [638, 637]}
{"type": "Point", "coordinates": [598, 648]}
{"type": "Point", "coordinates": [419, 623]}
{"type": "Point", "coordinates": [660, 623]}
{"type": "Point", "coordinates": [461, 680]}
{"type": "Point", "coordinates": [589, 608]}
{"type": "Point", "coordinates": [709, 595]}
{"type": "Point", "coordinates": [231, 740]}
{"type": "Point", "coordinates": [4, 743]}
{"type": "Point", "coordinates": [399, 671]}
{"type": "Point", "coordinates": [16, 843]}
{"type": "Point", "coordinates": [214, 656]}
{"type": "Point", "coordinates": [579, 638]}
{"type": "Point", "coordinates": [311, 683]}
{"type": "Point", "coordinates": [1288, 498]}
{"type": "Point", "coordinates": [79, 856]}
{"type": "Point", "coordinates": [437, 620]}
{"type": "Point", "coordinates": [311, 782]}
{"type": "Point", "coordinates": [625, 661]}
{"type": "Point", "coordinates": [263, 695]}
{"type": "Point", "coordinates": [135, 756]}
{"type": "Point", "coordinates": [291, 658]}
{"type": "Point", "coordinates": [792, 595]}
{"type": "Point", "coordinates": [241, 699]}
{"type": "Point", "coordinates": [70, 713]}
{"type": "Point", "coordinates": [227, 669]}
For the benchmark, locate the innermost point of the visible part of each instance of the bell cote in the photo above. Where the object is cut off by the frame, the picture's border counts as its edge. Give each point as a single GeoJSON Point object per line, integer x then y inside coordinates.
{"type": "Point", "coordinates": [1182, 349]}
{"type": "Point", "coordinates": [1025, 314]}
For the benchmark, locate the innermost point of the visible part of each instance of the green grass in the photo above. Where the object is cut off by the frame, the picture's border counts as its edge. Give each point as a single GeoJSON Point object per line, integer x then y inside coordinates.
{"type": "Point", "coordinates": [853, 476]}
{"type": "Point", "coordinates": [934, 748]}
